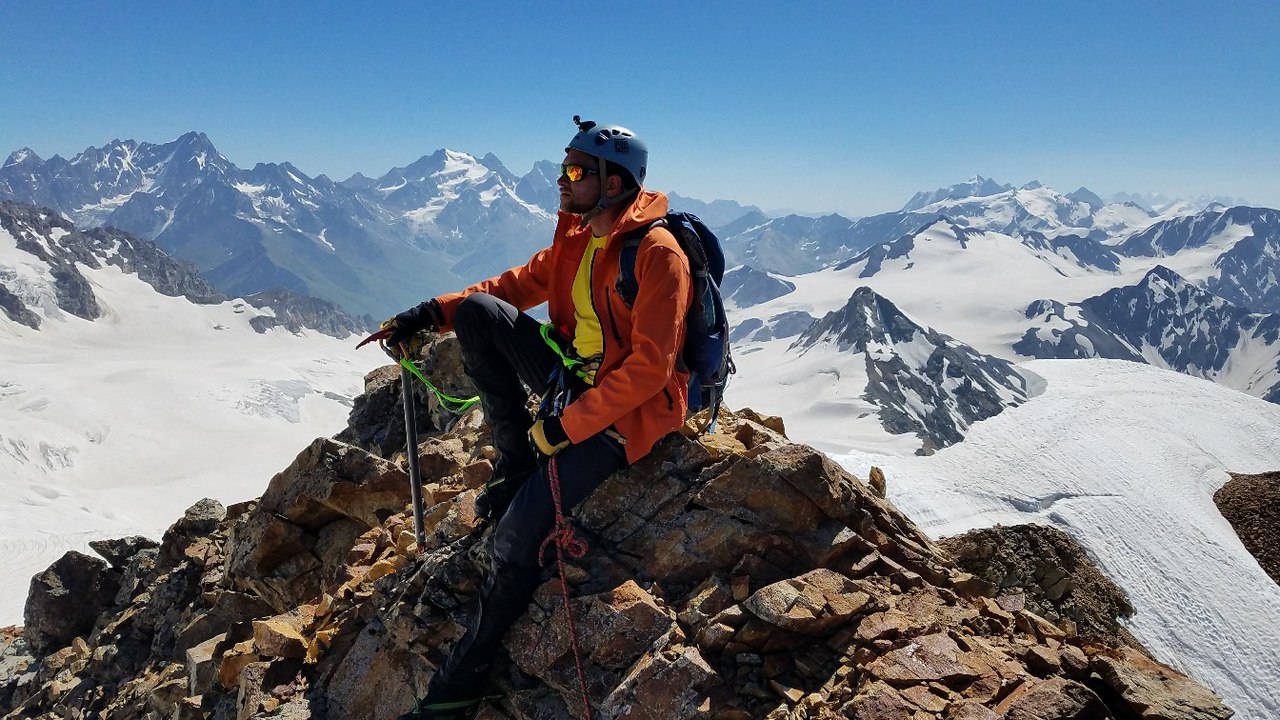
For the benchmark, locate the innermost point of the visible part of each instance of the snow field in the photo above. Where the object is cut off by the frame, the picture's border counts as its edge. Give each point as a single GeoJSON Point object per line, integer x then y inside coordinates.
{"type": "Point", "coordinates": [1126, 458]}
{"type": "Point", "coordinates": [115, 427]}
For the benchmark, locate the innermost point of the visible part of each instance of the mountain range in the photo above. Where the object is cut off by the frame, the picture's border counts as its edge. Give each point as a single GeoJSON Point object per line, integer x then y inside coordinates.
{"type": "Point", "coordinates": [373, 246]}
{"type": "Point", "coordinates": [310, 247]}
{"type": "Point", "coordinates": [1195, 293]}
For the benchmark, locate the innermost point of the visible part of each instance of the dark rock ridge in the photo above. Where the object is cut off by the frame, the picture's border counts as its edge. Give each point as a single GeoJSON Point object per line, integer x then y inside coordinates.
{"type": "Point", "coordinates": [1163, 320]}
{"type": "Point", "coordinates": [58, 244]}
{"type": "Point", "coordinates": [924, 382]}
{"type": "Point", "coordinates": [1043, 569]}
{"type": "Point", "coordinates": [731, 576]}
{"type": "Point", "coordinates": [1251, 503]}
{"type": "Point", "coordinates": [294, 313]}
{"type": "Point", "coordinates": [783, 325]}
{"type": "Point", "coordinates": [746, 286]}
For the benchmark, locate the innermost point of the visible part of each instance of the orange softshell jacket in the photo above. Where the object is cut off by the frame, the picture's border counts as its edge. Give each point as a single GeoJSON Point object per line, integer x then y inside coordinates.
{"type": "Point", "coordinates": [640, 389]}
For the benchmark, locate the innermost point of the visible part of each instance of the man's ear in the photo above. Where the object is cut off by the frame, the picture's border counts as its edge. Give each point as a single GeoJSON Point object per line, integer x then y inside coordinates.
{"type": "Point", "coordinates": [613, 186]}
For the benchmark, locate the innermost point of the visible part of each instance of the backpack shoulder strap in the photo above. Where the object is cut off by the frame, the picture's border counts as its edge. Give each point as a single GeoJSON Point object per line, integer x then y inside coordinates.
{"type": "Point", "coordinates": [627, 284]}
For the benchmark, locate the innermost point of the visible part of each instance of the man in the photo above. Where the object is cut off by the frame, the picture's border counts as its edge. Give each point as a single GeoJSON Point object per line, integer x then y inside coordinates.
{"type": "Point", "coordinates": [627, 392]}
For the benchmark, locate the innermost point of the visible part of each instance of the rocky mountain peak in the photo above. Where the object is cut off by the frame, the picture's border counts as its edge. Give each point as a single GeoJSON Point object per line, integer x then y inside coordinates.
{"type": "Point", "coordinates": [923, 382]}
{"type": "Point", "coordinates": [22, 156]}
{"type": "Point", "coordinates": [976, 186]}
{"type": "Point", "coordinates": [730, 576]}
{"type": "Point", "coordinates": [55, 243]}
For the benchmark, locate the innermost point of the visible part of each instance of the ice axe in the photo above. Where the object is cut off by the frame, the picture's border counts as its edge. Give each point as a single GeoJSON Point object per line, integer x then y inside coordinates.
{"type": "Point", "coordinates": [410, 431]}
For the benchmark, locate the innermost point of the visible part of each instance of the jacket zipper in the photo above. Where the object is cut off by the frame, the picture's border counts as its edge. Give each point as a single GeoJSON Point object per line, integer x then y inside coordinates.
{"type": "Point", "coordinates": [613, 324]}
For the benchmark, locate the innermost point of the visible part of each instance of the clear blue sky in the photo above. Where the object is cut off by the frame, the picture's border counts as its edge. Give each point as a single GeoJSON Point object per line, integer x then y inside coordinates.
{"type": "Point", "coordinates": [831, 106]}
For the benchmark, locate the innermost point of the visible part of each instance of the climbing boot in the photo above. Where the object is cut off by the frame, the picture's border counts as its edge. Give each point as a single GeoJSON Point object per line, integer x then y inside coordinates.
{"type": "Point", "coordinates": [499, 490]}
{"type": "Point", "coordinates": [461, 710]}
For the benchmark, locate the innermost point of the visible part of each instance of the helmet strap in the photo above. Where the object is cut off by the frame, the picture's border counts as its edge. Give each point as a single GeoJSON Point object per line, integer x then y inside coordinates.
{"type": "Point", "coordinates": [604, 201]}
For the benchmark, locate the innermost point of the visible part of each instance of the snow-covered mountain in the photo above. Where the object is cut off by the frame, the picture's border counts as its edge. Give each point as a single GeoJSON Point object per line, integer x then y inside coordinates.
{"type": "Point", "coordinates": [922, 381]}
{"type": "Point", "coordinates": [1243, 244]}
{"type": "Point", "coordinates": [373, 246]}
{"type": "Point", "coordinates": [1167, 322]}
{"type": "Point", "coordinates": [978, 283]}
{"type": "Point", "coordinates": [43, 259]}
{"type": "Point", "coordinates": [1162, 204]}
{"type": "Point", "coordinates": [974, 187]}
{"type": "Point", "coordinates": [797, 244]}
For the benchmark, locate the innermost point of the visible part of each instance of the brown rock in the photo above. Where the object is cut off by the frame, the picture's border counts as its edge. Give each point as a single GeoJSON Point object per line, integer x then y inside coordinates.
{"type": "Point", "coordinates": [330, 480]}
{"type": "Point", "coordinates": [674, 684]}
{"type": "Point", "coordinates": [887, 624]}
{"type": "Point", "coordinates": [1055, 698]}
{"type": "Point", "coordinates": [203, 664]}
{"type": "Point", "coordinates": [1074, 662]}
{"type": "Point", "coordinates": [1042, 661]}
{"type": "Point", "coordinates": [1156, 690]}
{"type": "Point", "coordinates": [970, 710]}
{"type": "Point", "coordinates": [879, 702]}
{"type": "Point", "coordinates": [756, 492]}
{"type": "Point", "coordinates": [707, 600]}
{"type": "Point", "coordinates": [877, 482]}
{"type": "Point", "coordinates": [992, 609]}
{"type": "Point", "coordinates": [623, 622]}
{"type": "Point", "coordinates": [924, 698]}
{"type": "Point", "coordinates": [813, 604]}
{"type": "Point", "coordinates": [233, 661]}
{"type": "Point", "coordinates": [1033, 624]}
{"type": "Point", "coordinates": [280, 637]}
{"type": "Point", "coordinates": [927, 658]}
{"type": "Point", "coordinates": [773, 422]}
{"type": "Point", "coordinates": [721, 446]}
{"type": "Point", "coordinates": [1251, 503]}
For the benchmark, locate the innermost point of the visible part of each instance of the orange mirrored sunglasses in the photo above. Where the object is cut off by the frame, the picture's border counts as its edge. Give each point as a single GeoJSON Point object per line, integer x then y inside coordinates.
{"type": "Point", "coordinates": [576, 172]}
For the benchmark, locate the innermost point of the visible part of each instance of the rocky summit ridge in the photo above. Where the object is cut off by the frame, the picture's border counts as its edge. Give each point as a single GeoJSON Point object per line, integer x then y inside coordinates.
{"type": "Point", "coordinates": [734, 575]}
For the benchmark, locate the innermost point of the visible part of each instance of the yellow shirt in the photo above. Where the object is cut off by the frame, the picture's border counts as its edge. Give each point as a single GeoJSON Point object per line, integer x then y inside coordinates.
{"type": "Point", "coordinates": [588, 338]}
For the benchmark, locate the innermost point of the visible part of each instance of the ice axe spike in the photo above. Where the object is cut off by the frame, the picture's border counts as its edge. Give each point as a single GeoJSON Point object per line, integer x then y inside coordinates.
{"type": "Point", "coordinates": [411, 457]}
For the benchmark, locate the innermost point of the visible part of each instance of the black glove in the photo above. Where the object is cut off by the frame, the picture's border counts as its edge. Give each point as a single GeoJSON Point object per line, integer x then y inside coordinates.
{"type": "Point", "coordinates": [424, 316]}
{"type": "Point", "coordinates": [548, 436]}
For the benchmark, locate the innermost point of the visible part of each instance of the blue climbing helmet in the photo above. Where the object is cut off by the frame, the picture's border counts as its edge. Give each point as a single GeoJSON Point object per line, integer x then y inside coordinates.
{"type": "Point", "coordinates": [612, 143]}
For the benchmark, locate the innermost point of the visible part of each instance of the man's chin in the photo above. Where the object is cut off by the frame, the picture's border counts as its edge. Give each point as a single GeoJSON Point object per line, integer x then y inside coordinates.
{"type": "Point", "coordinates": [576, 209]}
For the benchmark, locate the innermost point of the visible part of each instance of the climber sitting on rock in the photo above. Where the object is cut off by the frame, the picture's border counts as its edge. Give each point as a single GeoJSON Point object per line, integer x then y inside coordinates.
{"type": "Point", "coordinates": [615, 364]}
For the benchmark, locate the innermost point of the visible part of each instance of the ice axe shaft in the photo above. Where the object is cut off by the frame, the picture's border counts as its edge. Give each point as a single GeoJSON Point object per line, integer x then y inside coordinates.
{"type": "Point", "coordinates": [411, 456]}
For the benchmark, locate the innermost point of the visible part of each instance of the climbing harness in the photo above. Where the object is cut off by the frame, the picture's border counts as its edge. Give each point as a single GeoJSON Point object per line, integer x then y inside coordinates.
{"type": "Point", "coordinates": [576, 365]}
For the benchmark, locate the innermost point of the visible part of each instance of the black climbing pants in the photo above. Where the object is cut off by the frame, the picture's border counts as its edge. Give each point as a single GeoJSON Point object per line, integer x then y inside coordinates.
{"type": "Point", "coordinates": [501, 347]}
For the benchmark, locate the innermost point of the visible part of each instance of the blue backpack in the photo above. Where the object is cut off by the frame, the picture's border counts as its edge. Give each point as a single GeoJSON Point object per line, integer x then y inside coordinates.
{"type": "Point", "coordinates": [706, 352]}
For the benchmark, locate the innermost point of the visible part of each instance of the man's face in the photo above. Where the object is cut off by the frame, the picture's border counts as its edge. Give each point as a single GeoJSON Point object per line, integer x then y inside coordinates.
{"type": "Point", "coordinates": [579, 197]}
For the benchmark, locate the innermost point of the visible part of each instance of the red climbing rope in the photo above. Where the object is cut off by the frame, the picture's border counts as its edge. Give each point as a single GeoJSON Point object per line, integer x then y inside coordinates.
{"type": "Point", "coordinates": [566, 542]}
